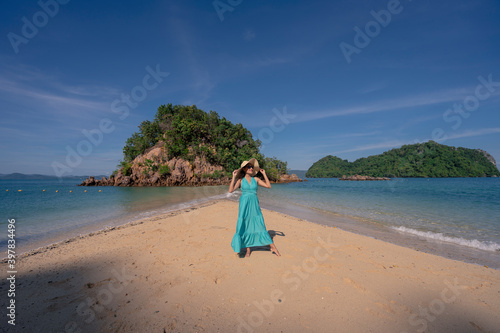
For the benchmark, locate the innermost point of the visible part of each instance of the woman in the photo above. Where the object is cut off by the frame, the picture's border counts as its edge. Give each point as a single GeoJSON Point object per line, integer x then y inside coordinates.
{"type": "Point", "coordinates": [250, 228]}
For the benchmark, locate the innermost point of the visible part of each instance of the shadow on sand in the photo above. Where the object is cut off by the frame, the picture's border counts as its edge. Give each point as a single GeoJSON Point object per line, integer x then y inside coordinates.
{"type": "Point", "coordinates": [272, 233]}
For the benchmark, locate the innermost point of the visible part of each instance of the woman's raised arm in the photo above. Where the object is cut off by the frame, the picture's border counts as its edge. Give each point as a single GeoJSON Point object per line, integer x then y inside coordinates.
{"type": "Point", "coordinates": [266, 183]}
{"type": "Point", "coordinates": [234, 183]}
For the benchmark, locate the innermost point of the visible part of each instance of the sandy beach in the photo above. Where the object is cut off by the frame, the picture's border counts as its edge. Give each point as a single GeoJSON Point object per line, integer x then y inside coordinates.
{"type": "Point", "coordinates": [177, 273]}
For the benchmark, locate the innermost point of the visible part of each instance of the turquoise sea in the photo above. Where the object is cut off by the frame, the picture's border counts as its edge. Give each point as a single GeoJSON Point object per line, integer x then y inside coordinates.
{"type": "Point", "coordinates": [457, 218]}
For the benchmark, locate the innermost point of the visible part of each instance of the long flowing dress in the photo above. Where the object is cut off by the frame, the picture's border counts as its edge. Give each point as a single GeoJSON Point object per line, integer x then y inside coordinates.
{"type": "Point", "coordinates": [250, 228]}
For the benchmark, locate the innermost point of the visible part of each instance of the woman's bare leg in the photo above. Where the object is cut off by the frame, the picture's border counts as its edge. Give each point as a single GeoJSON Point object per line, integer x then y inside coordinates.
{"type": "Point", "coordinates": [248, 253]}
{"type": "Point", "coordinates": [275, 250]}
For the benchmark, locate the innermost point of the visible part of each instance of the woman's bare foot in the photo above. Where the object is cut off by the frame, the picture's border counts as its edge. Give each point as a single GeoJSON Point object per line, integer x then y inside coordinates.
{"type": "Point", "coordinates": [248, 253]}
{"type": "Point", "coordinates": [275, 250]}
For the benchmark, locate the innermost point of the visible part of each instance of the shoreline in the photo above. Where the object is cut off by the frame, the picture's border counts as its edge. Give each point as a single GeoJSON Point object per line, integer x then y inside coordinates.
{"type": "Point", "coordinates": [376, 230]}
{"type": "Point", "coordinates": [472, 248]}
{"type": "Point", "coordinates": [70, 239]}
{"type": "Point", "coordinates": [177, 272]}
{"type": "Point", "coordinates": [360, 227]}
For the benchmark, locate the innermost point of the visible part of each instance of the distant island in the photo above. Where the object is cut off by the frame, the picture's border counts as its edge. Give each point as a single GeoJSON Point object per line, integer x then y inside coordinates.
{"type": "Point", "coordinates": [429, 159]}
{"type": "Point", "coordinates": [186, 146]}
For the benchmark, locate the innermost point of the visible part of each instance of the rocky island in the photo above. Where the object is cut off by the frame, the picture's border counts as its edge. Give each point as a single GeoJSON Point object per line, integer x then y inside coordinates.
{"type": "Point", "coordinates": [185, 146]}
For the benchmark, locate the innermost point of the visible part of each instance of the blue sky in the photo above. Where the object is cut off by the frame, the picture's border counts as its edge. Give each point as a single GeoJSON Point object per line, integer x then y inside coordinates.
{"type": "Point", "coordinates": [308, 78]}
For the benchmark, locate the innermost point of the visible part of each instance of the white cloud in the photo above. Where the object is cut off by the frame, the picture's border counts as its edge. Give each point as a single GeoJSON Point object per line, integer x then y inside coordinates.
{"type": "Point", "coordinates": [386, 144]}
{"type": "Point", "coordinates": [56, 98]}
{"type": "Point", "coordinates": [373, 87]}
{"type": "Point", "coordinates": [471, 133]}
{"type": "Point", "coordinates": [354, 135]}
{"type": "Point", "coordinates": [389, 105]}
{"type": "Point", "coordinates": [399, 143]}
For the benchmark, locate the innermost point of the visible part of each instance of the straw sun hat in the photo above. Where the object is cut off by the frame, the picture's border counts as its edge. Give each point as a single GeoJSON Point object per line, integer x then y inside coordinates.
{"type": "Point", "coordinates": [254, 163]}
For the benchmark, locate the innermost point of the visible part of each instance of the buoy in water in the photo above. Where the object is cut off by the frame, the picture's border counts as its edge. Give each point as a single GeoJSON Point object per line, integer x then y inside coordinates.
{"type": "Point", "coordinates": [57, 191]}
{"type": "Point", "coordinates": [99, 190]}
{"type": "Point", "coordinates": [19, 190]}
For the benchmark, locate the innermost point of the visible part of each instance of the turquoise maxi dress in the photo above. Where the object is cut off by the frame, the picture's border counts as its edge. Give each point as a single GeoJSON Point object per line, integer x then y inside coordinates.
{"type": "Point", "coordinates": [250, 228]}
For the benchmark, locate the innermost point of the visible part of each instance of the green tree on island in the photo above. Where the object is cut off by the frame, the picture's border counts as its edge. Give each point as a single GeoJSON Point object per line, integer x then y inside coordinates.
{"type": "Point", "coordinates": [189, 132]}
{"type": "Point", "coordinates": [429, 159]}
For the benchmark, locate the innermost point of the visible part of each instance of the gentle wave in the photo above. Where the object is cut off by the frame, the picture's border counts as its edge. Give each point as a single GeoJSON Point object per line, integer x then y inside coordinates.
{"type": "Point", "coordinates": [474, 243]}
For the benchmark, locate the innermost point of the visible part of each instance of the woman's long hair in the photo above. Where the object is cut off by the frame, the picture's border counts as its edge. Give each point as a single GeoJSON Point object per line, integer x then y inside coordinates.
{"type": "Point", "coordinates": [241, 174]}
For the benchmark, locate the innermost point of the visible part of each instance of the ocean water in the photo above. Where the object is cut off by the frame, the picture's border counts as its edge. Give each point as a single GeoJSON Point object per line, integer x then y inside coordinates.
{"type": "Point", "coordinates": [455, 217]}
{"type": "Point", "coordinates": [452, 215]}
{"type": "Point", "coordinates": [48, 211]}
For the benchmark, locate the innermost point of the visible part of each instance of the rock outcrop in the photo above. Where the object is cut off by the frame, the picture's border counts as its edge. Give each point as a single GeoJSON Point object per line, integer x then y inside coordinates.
{"type": "Point", "coordinates": [289, 178]}
{"type": "Point", "coordinates": [358, 178]}
{"type": "Point", "coordinates": [153, 169]}
{"type": "Point", "coordinates": [488, 156]}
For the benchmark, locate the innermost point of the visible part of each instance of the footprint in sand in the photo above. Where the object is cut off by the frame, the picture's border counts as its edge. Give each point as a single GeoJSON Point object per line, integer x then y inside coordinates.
{"type": "Point", "coordinates": [354, 284]}
{"type": "Point", "coordinates": [172, 323]}
{"type": "Point", "coordinates": [323, 290]}
{"type": "Point", "coordinates": [183, 308]}
{"type": "Point", "coordinates": [206, 310]}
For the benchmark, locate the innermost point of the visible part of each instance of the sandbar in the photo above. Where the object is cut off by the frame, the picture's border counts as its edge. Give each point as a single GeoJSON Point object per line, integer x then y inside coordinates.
{"type": "Point", "coordinates": [178, 273]}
